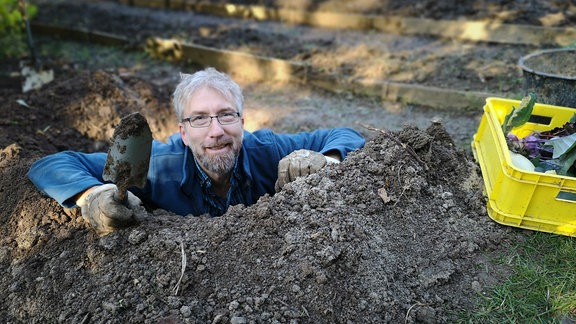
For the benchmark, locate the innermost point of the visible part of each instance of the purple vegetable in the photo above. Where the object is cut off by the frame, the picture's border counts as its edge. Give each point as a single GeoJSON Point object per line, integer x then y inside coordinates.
{"type": "Point", "coordinates": [511, 137]}
{"type": "Point", "coordinates": [532, 145]}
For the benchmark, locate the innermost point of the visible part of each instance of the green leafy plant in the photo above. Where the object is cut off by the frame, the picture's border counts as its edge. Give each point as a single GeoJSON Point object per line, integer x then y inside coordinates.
{"type": "Point", "coordinates": [13, 15]}
{"type": "Point", "coordinates": [519, 116]}
{"type": "Point", "coordinates": [552, 150]}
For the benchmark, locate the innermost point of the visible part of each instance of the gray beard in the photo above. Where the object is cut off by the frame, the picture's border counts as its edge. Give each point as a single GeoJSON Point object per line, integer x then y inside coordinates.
{"type": "Point", "coordinates": [220, 164]}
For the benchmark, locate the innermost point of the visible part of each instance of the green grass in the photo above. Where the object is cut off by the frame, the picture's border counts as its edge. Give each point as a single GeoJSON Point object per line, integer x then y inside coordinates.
{"type": "Point", "coordinates": [541, 288]}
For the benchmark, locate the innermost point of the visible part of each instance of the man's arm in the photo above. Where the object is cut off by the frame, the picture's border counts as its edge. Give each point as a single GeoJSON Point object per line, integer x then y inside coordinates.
{"type": "Point", "coordinates": [335, 142]}
{"type": "Point", "coordinates": [317, 149]}
{"type": "Point", "coordinates": [66, 175]}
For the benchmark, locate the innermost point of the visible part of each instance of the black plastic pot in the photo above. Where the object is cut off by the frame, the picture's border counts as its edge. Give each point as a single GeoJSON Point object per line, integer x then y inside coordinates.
{"type": "Point", "coordinates": [551, 75]}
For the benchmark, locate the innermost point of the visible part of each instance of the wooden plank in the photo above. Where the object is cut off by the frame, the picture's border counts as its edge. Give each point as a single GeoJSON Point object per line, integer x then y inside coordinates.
{"type": "Point", "coordinates": [477, 31]}
{"type": "Point", "coordinates": [79, 34]}
{"type": "Point", "coordinates": [427, 96]}
{"type": "Point", "coordinates": [243, 64]}
{"type": "Point", "coordinates": [332, 20]}
{"type": "Point", "coordinates": [246, 65]}
{"type": "Point", "coordinates": [150, 3]}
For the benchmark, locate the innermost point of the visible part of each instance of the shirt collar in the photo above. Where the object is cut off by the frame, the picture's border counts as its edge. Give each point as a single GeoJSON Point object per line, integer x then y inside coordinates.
{"type": "Point", "coordinates": [205, 181]}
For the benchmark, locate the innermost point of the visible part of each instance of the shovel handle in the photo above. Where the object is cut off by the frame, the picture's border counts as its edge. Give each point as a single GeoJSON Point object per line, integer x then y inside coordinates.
{"type": "Point", "coordinates": [121, 196]}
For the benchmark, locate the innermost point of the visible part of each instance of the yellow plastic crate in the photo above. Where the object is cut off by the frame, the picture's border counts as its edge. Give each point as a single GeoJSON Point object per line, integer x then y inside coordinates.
{"type": "Point", "coordinates": [520, 198]}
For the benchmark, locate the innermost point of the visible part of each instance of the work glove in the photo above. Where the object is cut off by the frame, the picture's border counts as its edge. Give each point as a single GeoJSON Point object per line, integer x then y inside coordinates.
{"type": "Point", "coordinates": [300, 163]}
{"type": "Point", "coordinates": [105, 214]}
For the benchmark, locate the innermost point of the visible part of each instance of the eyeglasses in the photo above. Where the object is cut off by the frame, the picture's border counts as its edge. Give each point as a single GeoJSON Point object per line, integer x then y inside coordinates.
{"type": "Point", "coordinates": [201, 121]}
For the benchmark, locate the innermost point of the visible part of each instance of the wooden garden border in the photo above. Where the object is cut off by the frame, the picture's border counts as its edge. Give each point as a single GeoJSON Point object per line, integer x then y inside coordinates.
{"type": "Point", "coordinates": [266, 68]}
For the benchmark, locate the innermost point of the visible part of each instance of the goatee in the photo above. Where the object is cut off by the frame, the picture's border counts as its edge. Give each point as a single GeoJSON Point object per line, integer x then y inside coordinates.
{"type": "Point", "coordinates": [221, 163]}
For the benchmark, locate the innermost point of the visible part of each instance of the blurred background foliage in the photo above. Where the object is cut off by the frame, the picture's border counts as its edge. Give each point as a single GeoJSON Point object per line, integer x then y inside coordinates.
{"type": "Point", "coordinates": [13, 18]}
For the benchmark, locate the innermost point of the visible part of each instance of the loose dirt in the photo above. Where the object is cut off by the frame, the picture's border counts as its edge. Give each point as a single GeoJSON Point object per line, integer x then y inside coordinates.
{"type": "Point", "coordinates": [398, 232]}
{"type": "Point", "coordinates": [351, 243]}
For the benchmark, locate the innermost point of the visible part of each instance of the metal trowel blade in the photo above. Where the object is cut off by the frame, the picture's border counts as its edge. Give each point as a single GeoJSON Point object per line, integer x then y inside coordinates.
{"type": "Point", "coordinates": [129, 154]}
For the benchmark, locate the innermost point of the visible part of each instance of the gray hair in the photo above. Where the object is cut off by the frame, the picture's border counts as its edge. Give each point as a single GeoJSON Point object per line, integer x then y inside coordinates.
{"type": "Point", "coordinates": [209, 77]}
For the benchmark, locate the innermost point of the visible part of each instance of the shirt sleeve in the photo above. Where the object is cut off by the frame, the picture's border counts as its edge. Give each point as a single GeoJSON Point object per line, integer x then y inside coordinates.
{"type": "Point", "coordinates": [342, 140]}
{"type": "Point", "coordinates": [63, 175]}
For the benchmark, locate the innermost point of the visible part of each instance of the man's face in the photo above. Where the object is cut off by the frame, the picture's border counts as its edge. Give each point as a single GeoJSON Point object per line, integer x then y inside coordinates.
{"type": "Point", "coordinates": [216, 146]}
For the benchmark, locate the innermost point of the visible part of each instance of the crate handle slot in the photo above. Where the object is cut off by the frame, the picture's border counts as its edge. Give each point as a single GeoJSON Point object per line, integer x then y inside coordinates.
{"type": "Point", "coordinates": [537, 119]}
{"type": "Point", "coordinates": [566, 196]}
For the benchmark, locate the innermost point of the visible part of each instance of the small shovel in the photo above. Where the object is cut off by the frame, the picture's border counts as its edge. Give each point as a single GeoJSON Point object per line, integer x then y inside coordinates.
{"type": "Point", "coordinates": [129, 155]}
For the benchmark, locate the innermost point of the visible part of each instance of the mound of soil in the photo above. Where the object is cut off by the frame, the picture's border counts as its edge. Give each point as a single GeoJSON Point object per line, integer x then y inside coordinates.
{"type": "Point", "coordinates": [398, 232]}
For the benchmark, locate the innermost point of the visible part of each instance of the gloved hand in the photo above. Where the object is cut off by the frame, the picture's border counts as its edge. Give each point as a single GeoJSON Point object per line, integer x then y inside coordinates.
{"type": "Point", "coordinates": [300, 163]}
{"type": "Point", "coordinates": [105, 214]}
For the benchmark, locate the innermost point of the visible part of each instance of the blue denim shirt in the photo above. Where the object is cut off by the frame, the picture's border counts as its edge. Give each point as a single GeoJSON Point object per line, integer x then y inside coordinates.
{"type": "Point", "coordinates": [237, 194]}
{"type": "Point", "coordinates": [173, 183]}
